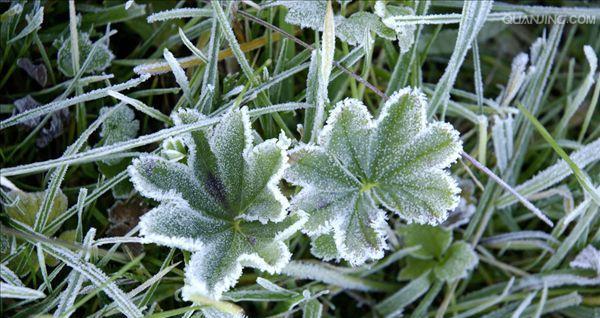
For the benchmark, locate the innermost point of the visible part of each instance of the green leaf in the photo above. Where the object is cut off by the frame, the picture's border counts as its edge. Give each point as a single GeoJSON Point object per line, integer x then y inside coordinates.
{"type": "Point", "coordinates": [416, 267]}
{"type": "Point", "coordinates": [27, 205]}
{"type": "Point", "coordinates": [397, 160]}
{"type": "Point", "coordinates": [223, 203]}
{"type": "Point", "coordinates": [100, 61]}
{"type": "Point", "coordinates": [433, 240]}
{"type": "Point", "coordinates": [457, 262]}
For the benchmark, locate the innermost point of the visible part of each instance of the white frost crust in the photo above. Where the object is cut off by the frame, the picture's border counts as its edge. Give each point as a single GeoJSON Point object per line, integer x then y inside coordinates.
{"type": "Point", "coordinates": [306, 193]}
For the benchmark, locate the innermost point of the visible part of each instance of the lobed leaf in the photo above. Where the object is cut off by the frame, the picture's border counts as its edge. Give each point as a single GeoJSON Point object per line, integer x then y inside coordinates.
{"type": "Point", "coordinates": [396, 160]}
{"type": "Point", "coordinates": [223, 203]}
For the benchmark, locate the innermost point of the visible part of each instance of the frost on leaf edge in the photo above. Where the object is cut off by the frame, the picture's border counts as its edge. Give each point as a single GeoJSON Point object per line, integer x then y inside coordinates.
{"type": "Point", "coordinates": [195, 286]}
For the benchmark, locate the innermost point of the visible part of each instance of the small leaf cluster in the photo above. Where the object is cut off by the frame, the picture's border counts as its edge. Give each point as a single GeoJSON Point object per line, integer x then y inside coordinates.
{"type": "Point", "coordinates": [438, 255]}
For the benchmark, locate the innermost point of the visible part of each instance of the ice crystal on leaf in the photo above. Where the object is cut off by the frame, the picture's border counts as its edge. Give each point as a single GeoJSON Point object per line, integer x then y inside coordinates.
{"type": "Point", "coordinates": [223, 203]}
{"type": "Point", "coordinates": [360, 164]}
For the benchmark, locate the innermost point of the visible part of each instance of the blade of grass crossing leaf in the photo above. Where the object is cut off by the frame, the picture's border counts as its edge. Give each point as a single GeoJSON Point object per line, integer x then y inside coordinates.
{"type": "Point", "coordinates": [210, 81]}
{"type": "Point", "coordinates": [58, 175]}
{"type": "Point", "coordinates": [88, 270]}
{"type": "Point", "coordinates": [494, 300]}
{"type": "Point", "coordinates": [105, 151]}
{"type": "Point", "coordinates": [176, 312]}
{"type": "Point", "coordinates": [227, 31]}
{"type": "Point", "coordinates": [42, 264]}
{"type": "Point", "coordinates": [552, 175]}
{"type": "Point", "coordinates": [107, 285]}
{"type": "Point", "coordinates": [233, 43]}
{"type": "Point", "coordinates": [542, 303]}
{"type": "Point", "coordinates": [582, 91]}
{"type": "Point", "coordinates": [319, 272]}
{"type": "Point", "coordinates": [10, 277]}
{"type": "Point", "coordinates": [33, 24]}
{"type": "Point", "coordinates": [150, 292]}
{"type": "Point", "coordinates": [523, 305]}
{"type": "Point", "coordinates": [80, 206]}
{"type": "Point", "coordinates": [582, 178]}
{"type": "Point", "coordinates": [402, 69]}
{"type": "Point", "coordinates": [178, 14]}
{"type": "Point", "coordinates": [503, 184]}
{"type": "Point", "coordinates": [534, 91]}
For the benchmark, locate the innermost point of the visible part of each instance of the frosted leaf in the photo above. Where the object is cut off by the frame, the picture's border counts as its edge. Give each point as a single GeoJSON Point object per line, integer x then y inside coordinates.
{"type": "Point", "coordinates": [397, 160]}
{"type": "Point", "coordinates": [24, 104]}
{"type": "Point", "coordinates": [222, 203]}
{"type": "Point", "coordinates": [100, 61]}
{"type": "Point", "coordinates": [588, 258]}
{"type": "Point", "coordinates": [404, 32]}
{"type": "Point", "coordinates": [449, 263]}
{"type": "Point", "coordinates": [306, 14]}
{"type": "Point", "coordinates": [121, 125]}
{"type": "Point", "coordinates": [355, 29]}
{"type": "Point", "coordinates": [352, 30]}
